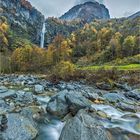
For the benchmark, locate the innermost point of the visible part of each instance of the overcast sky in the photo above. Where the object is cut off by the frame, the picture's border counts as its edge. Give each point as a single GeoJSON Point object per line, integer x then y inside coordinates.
{"type": "Point", "coordinates": [117, 8]}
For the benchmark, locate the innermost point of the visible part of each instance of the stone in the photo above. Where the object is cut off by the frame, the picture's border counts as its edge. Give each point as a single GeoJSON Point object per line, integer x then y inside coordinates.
{"type": "Point", "coordinates": [84, 126]}
{"type": "Point", "coordinates": [3, 89]}
{"type": "Point", "coordinates": [113, 97]}
{"type": "Point", "coordinates": [38, 89]}
{"type": "Point", "coordinates": [134, 94]}
{"type": "Point", "coordinates": [93, 96]}
{"type": "Point", "coordinates": [24, 97]}
{"type": "Point", "coordinates": [65, 102]}
{"type": "Point", "coordinates": [104, 86]}
{"type": "Point", "coordinates": [8, 94]}
{"type": "Point", "coordinates": [127, 107]}
{"type": "Point", "coordinates": [19, 128]}
{"type": "Point", "coordinates": [124, 87]}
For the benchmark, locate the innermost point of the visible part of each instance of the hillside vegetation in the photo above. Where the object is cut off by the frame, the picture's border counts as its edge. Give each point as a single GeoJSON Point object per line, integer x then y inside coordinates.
{"type": "Point", "coordinates": [110, 44]}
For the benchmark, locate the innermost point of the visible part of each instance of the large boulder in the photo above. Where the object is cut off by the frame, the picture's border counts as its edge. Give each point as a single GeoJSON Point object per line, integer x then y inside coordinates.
{"type": "Point", "coordinates": [7, 93]}
{"type": "Point", "coordinates": [84, 126]}
{"type": "Point", "coordinates": [65, 102]}
{"type": "Point", "coordinates": [114, 97]}
{"type": "Point", "coordinates": [19, 128]}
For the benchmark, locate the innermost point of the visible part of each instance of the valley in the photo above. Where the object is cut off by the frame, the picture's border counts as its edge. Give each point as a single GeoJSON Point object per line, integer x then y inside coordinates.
{"type": "Point", "coordinates": [73, 77]}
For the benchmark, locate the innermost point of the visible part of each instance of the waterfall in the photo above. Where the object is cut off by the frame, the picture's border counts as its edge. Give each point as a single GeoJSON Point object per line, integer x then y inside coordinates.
{"type": "Point", "coordinates": [42, 36]}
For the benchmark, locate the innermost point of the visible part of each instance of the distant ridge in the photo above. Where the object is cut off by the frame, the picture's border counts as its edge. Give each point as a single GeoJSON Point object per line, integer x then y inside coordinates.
{"type": "Point", "coordinates": [87, 12]}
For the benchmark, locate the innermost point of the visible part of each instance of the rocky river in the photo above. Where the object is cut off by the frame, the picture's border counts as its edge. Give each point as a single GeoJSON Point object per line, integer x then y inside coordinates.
{"type": "Point", "coordinates": [37, 109]}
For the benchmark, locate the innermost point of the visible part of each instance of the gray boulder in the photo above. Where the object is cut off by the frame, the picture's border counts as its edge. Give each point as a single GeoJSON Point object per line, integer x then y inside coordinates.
{"type": "Point", "coordinates": [19, 128]}
{"type": "Point", "coordinates": [8, 94]}
{"type": "Point", "coordinates": [39, 89]}
{"type": "Point", "coordinates": [84, 126]}
{"type": "Point", "coordinates": [134, 94]}
{"type": "Point", "coordinates": [65, 102]}
{"type": "Point", "coordinates": [3, 89]}
{"type": "Point", "coordinates": [114, 97]}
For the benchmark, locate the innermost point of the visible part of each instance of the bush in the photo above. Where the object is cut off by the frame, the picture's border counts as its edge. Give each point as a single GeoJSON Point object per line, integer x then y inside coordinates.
{"type": "Point", "coordinates": [5, 63]}
{"type": "Point", "coordinates": [64, 70]}
{"type": "Point", "coordinates": [29, 58]}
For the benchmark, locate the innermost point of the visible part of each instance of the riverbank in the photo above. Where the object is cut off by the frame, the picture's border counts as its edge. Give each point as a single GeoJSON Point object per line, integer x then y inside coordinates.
{"type": "Point", "coordinates": [41, 109]}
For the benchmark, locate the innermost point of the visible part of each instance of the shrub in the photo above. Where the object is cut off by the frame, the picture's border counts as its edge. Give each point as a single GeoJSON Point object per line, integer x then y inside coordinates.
{"type": "Point", "coordinates": [5, 63]}
{"type": "Point", "coordinates": [64, 70]}
{"type": "Point", "coordinates": [29, 58]}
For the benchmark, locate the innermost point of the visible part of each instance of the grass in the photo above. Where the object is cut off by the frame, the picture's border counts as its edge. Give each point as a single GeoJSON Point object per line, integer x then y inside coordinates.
{"type": "Point", "coordinates": [109, 67]}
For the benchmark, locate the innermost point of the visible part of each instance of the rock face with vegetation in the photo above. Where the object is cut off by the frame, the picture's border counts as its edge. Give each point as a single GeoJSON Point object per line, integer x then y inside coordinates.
{"type": "Point", "coordinates": [74, 19]}
{"type": "Point", "coordinates": [23, 18]}
{"type": "Point", "coordinates": [55, 27]}
{"type": "Point", "coordinates": [87, 12]}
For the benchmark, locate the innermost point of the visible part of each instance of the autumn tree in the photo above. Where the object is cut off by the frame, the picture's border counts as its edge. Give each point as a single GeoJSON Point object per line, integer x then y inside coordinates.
{"type": "Point", "coordinates": [3, 33]}
{"type": "Point", "coordinates": [128, 45]}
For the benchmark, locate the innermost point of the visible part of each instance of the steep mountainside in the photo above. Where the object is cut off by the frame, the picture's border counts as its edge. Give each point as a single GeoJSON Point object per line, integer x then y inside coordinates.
{"type": "Point", "coordinates": [135, 15]}
{"type": "Point", "coordinates": [87, 12]}
{"type": "Point", "coordinates": [55, 26]}
{"type": "Point", "coordinates": [24, 19]}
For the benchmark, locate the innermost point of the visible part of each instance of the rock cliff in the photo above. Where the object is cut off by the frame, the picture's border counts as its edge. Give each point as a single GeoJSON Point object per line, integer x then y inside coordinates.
{"type": "Point", "coordinates": [87, 12]}
{"type": "Point", "coordinates": [23, 18]}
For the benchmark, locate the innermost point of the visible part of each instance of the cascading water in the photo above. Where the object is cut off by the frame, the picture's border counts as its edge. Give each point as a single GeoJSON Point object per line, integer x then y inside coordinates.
{"type": "Point", "coordinates": [43, 36]}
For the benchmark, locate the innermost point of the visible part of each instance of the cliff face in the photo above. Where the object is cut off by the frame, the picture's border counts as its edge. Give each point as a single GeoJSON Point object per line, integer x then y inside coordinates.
{"type": "Point", "coordinates": [55, 26]}
{"type": "Point", "coordinates": [24, 19]}
{"type": "Point", "coordinates": [134, 15]}
{"type": "Point", "coordinates": [87, 12]}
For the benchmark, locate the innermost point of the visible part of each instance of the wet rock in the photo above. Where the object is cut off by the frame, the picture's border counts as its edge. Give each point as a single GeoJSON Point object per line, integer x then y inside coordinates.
{"type": "Point", "coordinates": [113, 97]}
{"type": "Point", "coordinates": [3, 89]}
{"type": "Point", "coordinates": [93, 96]}
{"type": "Point", "coordinates": [84, 126]}
{"type": "Point", "coordinates": [65, 102]}
{"type": "Point", "coordinates": [121, 134]}
{"type": "Point", "coordinates": [8, 94]}
{"type": "Point", "coordinates": [124, 87]}
{"type": "Point", "coordinates": [58, 105]}
{"type": "Point", "coordinates": [19, 128]}
{"type": "Point", "coordinates": [127, 107]}
{"type": "Point", "coordinates": [39, 89]}
{"type": "Point", "coordinates": [33, 113]}
{"type": "Point", "coordinates": [134, 94]}
{"type": "Point", "coordinates": [24, 97]}
{"type": "Point", "coordinates": [76, 102]}
{"type": "Point", "coordinates": [104, 86]}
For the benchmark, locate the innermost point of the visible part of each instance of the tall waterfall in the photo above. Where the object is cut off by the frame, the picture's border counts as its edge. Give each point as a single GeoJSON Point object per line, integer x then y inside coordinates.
{"type": "Point", "coordinates": [42, 36]}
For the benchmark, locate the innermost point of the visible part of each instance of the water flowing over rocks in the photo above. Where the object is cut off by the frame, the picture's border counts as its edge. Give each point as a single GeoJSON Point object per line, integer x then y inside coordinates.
{"type": "Point", "coordinates": [40, 110]}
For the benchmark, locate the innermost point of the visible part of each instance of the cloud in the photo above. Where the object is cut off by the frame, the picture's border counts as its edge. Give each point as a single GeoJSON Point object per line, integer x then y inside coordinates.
{"type": "Point", "coordinates": [117, 8]}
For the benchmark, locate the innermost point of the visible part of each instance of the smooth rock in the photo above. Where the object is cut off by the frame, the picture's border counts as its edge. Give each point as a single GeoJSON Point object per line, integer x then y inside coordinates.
{"type": "Point", "coordinates": [8, 94]}
{"type": "Point", "coordinates": [134, 94]}
{"type": "Point", "coordinates": [3, 89]}
{"type": "Point", "coordinates": [65, 102]}
{"type": "Point", "coordinates": [84, 126]}
{"type": "Point", "coordinates": [19, 128]}
{"type": "Point", "coordinates": [39, 89]}
{"type": "Point", "coordinates": [113, 97]}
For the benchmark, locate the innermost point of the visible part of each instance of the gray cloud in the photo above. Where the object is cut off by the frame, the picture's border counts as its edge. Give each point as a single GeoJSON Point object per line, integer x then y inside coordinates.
{"type": "Point", "coordinates": [117, 8]}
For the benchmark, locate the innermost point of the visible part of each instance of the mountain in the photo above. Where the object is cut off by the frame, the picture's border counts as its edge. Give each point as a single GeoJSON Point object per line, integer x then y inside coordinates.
{"type": "Point", "coordinates": [23, 18]}
{"type": "Point", "coordinates": [87, 12]}
{"type": "Point", "coordinates": [55, 26]}
{"type": "Point", "coordinates": [135, 15]}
